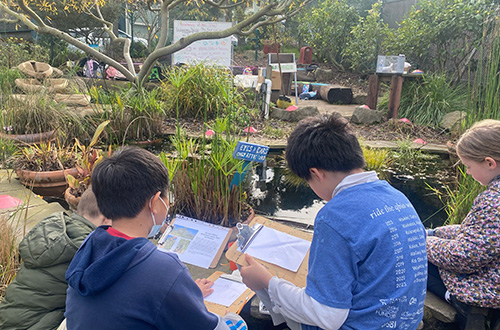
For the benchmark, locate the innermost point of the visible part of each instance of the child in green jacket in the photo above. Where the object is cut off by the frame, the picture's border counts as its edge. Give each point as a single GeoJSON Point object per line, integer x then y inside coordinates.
{"type": "Point", "coordinates": [36, 297]}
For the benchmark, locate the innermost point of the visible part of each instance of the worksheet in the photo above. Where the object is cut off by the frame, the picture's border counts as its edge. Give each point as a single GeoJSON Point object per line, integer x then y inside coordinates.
{"type": "Point", "coordinates": [278, 248]}
{"type": "Point", "coordinates": [195, 242]}
{"type": "Point", "coordinates": [226, 292]}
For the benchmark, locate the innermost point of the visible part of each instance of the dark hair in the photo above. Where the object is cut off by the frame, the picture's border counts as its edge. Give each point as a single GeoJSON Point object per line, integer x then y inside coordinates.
{"type": "Point", "coordinates": [124, 182]}
{"type": "Point", "coordinates": [87, 207]}
{"type": "Point", "coordinates": [325, 142]}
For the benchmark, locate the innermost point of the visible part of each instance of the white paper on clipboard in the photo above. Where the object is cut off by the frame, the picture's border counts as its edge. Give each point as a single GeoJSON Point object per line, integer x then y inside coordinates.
{"type": "Point", "coordinates": [278, 248]}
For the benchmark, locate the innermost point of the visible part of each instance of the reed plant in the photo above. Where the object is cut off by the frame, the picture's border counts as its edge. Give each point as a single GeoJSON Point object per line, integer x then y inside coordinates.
{"type": "Point", "coordinates": [202, 177]}
{"type": "Point", "coordinates": [425, 101]}
{"type": "Point", "coordinates": [484, 84]}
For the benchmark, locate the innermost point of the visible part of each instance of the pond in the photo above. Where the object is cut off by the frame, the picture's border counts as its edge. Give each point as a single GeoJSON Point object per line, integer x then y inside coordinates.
{"type": "Point", "coordinates": [272, 196]}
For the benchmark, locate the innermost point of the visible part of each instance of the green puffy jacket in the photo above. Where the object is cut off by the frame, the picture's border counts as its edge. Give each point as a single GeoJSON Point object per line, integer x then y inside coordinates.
{"type": "Point", "coordinates": [36, 298]}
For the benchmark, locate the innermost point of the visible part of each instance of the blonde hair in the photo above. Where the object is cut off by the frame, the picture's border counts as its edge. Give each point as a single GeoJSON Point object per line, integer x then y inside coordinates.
{"type": "Point", "coordinates": [480, 141]}
{"type": "Point", "coordinates": [87, 207]}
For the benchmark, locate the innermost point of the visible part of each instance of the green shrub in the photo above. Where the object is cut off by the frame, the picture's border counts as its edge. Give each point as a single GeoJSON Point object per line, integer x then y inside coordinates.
{"type": "Point", "coordinates": [366, 37]}
{"type": "Point", "coordinates": [14, 51]}
{"type": "Point", "coordinates": [440, 34]}
{"type": "Point", "coordinates": [326, 28]}
{"type": "Point", "coordinates": [427, 100]}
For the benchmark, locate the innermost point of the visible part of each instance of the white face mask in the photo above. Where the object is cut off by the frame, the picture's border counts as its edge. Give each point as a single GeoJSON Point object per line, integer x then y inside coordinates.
{"type": "Point", "coordinates": [156, 228]}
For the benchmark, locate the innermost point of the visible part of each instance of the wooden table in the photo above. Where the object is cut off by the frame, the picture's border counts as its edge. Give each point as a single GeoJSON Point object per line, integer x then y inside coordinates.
{"type": "Point", "coordinates": [395, 94]}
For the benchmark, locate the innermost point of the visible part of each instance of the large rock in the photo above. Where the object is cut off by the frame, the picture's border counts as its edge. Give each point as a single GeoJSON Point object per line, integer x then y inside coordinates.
{"type": "Point", "coordinates": [359, 98]}
{"type": "Point", "coordinates": [323, 75]}
{"type": "Point", "coordinates": [363, 115]}
{"type": "Point", "coordinates": [303, 75]}
{"type": "Point", "coordinates": [296, 115]}
{"type": "Point", "coordinates": [452, 120]}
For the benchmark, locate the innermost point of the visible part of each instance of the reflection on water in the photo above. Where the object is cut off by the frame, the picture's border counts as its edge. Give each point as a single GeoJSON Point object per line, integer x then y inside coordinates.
{"type": "Point", "coordinates": [270, 194]}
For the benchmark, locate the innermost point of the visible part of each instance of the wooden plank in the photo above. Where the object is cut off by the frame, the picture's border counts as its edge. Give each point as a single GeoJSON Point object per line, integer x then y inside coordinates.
{"type": "Point", "coordinates": [395, 96]}
{"type": "Point", "coordinates": [374, 84]}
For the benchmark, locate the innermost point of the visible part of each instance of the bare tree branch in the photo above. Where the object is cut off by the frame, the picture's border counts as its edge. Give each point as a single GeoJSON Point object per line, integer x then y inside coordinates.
{"type": "Point", "coordinates": [220, 4]}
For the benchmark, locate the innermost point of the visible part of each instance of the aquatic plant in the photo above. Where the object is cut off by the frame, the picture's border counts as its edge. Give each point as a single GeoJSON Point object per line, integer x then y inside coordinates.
{"type": "Point", "coordinates": [458, 198]}
{"type": "Point", "coordinates": [204, 177]}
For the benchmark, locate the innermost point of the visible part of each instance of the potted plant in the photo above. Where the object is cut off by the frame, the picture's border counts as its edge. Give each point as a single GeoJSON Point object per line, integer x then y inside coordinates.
{"type": "Point", "coordinates": [35, 118]}
{"type": "Point", "coordinates": [135, 116]}
{"type": "Point", "coordinates": [43, 167]}
{"type": "Point", "coordinates": [88, 158]}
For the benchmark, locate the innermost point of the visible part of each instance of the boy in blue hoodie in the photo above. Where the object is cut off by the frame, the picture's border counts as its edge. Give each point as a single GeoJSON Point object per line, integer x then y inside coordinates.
{"type": "Point", "coordinates": [118, 279]}
{"type": "Point", "coordinates": [367, 263]}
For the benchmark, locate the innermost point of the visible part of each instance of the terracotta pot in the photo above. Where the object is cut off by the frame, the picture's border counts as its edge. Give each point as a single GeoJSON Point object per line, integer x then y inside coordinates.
{"type": "Point", "coordinates": [30, 138]}
{"type": "Point", "coordinates": [50, 183]}
{"type": "Point", "coordinates": [71, 199]}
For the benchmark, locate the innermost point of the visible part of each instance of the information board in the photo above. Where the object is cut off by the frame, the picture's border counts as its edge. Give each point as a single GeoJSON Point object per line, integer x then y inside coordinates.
{"type": "Point", "coordinates": [211, 51]}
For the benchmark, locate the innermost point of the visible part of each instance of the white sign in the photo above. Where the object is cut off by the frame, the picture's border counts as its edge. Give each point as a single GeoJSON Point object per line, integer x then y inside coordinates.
{"type": "Point", "coordinates": [211, 51]}
{"type": "Point", "coordinates": [285, 67]}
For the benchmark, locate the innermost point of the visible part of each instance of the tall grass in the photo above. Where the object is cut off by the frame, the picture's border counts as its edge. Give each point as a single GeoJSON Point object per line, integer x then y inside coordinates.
{"type": "Point", "coordinates": [134, 114]}
{"type": "Point", "coordinates": [427, 100]}
{"type": "Point", "coordinates": [458, 199]}
{"type": "Point", "coordinates": [202, 93]}
{"type": "Point", "coordinates": [9, 253]}
{"type": "Point", "coordinates": [485, 87]}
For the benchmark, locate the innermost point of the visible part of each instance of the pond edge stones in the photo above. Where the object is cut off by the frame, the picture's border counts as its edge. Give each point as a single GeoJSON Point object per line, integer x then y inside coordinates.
{"type": "Point", "coordinates": [362, 115]}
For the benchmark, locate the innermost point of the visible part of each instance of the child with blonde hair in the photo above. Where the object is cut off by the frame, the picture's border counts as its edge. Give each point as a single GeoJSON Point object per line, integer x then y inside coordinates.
{"type": "Point", "coordinates": [464, 260]}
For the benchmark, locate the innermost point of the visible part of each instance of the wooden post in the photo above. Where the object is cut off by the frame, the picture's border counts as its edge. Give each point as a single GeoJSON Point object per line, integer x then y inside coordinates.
{"type": "Point", "coordinates": [373, 86]}
{"type": "Point", "coordinates": [395, 96]}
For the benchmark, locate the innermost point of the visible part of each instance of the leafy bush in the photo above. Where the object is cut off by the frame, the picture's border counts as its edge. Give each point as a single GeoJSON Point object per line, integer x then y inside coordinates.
{"type": "Point", "coordinates": [427, 100]}
{"type": "Point", "coordinates": [14, 51]}
{"type": "Point", "coordinates": [7, 79]}
{"type": "Point", "coordinates": [366, 37]}
{"type": "Point", "coordinates": [439, 34]}
{"type": "Point", "coordinates": [327, 29]}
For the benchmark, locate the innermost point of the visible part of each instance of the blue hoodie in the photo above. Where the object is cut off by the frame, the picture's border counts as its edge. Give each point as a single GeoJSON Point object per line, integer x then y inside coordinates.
{"type": "Point", "coordinates": [116, 283]}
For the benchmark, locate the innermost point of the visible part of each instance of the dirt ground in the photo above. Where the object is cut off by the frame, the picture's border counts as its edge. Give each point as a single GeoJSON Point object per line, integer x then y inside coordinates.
{"type": "Point", "coordinates": [386, 131]}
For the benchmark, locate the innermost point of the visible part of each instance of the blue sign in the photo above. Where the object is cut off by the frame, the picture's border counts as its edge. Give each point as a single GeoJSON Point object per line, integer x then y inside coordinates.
{"type": "Point", "coordinates": [250, 152]}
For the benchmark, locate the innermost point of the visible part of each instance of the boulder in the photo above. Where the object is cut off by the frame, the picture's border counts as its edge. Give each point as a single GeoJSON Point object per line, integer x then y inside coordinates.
{"type": "Point", "coordinates": [452, 120]}
{"type": "Point", "coordinates": [294, 116]}
{"type": "Point", "coordinates": [303, 75]}
{"type": "Point", "coordinates": [323, 75]}
{"type": "Point", "coordinates": [359, 98]}
{"type": "Point", "coordinates": [361, 115]}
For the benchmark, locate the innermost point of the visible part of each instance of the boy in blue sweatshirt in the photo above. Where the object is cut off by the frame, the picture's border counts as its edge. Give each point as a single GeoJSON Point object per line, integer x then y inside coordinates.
{"type": "Point", "coordinates": [367, 263]}
{"type": "Point", "coordinates": [118, 279]}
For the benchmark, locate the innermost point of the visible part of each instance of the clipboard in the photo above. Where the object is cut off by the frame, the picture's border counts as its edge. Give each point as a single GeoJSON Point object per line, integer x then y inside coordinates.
{"type": "Point", "coordinates": [236, 307]}
{"type": "Point", "coordinates": [214, 262]}
{"type": "Point", "coordinates": [298, 278]}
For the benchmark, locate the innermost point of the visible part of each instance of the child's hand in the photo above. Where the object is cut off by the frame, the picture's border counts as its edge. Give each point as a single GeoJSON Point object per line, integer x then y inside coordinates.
{"type": "Point", "coordinates": [205, 286]}
{"type": "Point", "coordinates": [255, 276]}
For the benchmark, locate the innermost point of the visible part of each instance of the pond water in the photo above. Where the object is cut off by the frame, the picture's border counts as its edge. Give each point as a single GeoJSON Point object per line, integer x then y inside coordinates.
{"type": "Point", "coordinates": [271, 195]}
